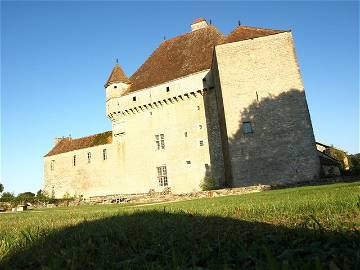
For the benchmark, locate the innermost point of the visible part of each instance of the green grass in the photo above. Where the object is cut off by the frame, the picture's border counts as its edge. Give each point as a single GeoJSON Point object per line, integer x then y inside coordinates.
{"type": "Point", "coordinates": [300, 228]}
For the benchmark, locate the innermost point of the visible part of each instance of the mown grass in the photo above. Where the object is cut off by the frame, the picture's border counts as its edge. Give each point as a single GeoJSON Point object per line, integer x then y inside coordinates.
{"type": "Point", "coordinates": [300, 228]}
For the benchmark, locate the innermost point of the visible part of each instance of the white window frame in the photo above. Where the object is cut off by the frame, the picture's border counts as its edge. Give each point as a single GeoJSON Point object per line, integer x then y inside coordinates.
{"type": "Point", "coordinates": [162, 178]}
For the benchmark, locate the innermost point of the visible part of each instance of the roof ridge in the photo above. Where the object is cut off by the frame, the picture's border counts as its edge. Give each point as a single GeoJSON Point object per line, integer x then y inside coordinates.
{"type": "Point", "coordinates": [88, 136]}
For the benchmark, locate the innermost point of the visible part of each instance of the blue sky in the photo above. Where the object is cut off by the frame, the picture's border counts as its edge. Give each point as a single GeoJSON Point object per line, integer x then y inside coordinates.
{"type": "Point", "coordinates": [56, 56]}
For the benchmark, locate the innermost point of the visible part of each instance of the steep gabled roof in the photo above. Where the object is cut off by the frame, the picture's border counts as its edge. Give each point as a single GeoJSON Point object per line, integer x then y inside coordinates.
{"type": "Point", "coordinates": [183, 55]}
{"type": "Point", "coordinates": [177, 57]}
{"type": "Point", "coordinates": [69, 144]}
{"type": "Point", "coordinates": [248, 32]}
{"type": "Point", "coordinates": [117, 75]}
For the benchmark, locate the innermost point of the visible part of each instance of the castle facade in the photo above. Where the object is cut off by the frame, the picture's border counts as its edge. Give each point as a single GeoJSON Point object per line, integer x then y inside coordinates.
{"type": "Point", "coordinates": [230, 108]}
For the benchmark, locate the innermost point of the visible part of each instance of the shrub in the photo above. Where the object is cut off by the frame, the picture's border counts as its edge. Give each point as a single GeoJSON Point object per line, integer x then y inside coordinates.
{"type": "Point", "coordinates": [209, 183]}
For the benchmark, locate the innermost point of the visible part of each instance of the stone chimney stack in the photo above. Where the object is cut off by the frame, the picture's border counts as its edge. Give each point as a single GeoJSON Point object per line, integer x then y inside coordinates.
{"type": "Point", "coordinates": [198, 24]}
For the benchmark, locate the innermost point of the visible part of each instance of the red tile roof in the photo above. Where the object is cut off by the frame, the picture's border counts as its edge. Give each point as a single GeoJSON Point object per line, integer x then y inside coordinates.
{"type": "Point", "coordinates": [69, 144]}
{"type": "Point", "coordinates": [117, 75]}
{"type": "Point", "coordinates": [188, 53]}
{"type": "Point", "coordinates": [248, 32]}
{"type": "Point", "coordinates": [177, 57]}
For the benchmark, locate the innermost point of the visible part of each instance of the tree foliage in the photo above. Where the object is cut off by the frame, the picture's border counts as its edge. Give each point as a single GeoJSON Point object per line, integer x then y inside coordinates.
{"type": "Point", "coordinates": [209, 183]}
{"type": "Point", "coordinates": [1, 188]}
{"type": "Point", "coordinates": [354, 161]}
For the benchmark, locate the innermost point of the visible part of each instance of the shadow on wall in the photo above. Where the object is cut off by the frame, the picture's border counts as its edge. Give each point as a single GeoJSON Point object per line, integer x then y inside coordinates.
{"type": "Point", "coordinates": [157, 239]}
{"type": "Point", "coordinates": [280, 146]}
{"type": "Point", "coordinates": [274, 141]}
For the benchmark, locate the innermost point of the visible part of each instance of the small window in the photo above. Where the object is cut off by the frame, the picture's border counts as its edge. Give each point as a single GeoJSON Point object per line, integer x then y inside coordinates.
{"type": "Point", "coordinates": [201, 143]}
{"type": "Point", "coordinates": [104, 154]}
{"type": "Point", "coordinates": [74, 160]}
{"type": "Point", "coordinates": [188, 162]}
{"type": "Point", "coordinates": [89, 157]}
{"type": "Point", "coordinates": [115, 86]}
{"type": "Point", "coordinates": [200, 126]}
{"type": "Point", "coordinates": [198, 107]}
{"type": "Point", "coordinates": [52, 165]}
{"type": "Point", "coordinates": [162, 176]}
{"type": "Point", "coordinates": [186, 134]}
{"type": "Point", "coordinates": [247, 128]}
{"type": "Point", "coordinates": [134, 98]}
{"type": "Point", "coordinates": [160, 141]}
{"type": "Point", "coordinates": [167, 89]}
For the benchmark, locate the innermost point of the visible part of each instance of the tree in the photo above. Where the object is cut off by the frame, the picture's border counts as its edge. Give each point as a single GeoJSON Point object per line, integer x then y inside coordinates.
{"type": "Point", "coordinates": [355, 164]}
{"type": "Point", "coordinates": [1, 188]}
{"type": "Point", "coordinates": [7, 197]}
{"type": "Point", "coordinates": [25, 197]}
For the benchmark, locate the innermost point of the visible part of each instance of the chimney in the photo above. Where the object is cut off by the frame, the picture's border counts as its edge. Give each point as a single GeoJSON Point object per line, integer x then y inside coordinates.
{"type": "Point", "coordinates": [57, 140]}
{"type": "Point", "coordinates": [198, 24]}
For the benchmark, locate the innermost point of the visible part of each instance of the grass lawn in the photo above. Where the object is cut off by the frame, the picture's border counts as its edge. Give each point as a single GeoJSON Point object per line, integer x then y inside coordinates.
{"type": "Point", "coordinates": [300, 228]}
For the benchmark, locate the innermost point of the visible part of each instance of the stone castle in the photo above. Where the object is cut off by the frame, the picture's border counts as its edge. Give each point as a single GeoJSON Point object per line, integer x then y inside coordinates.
{"type": "Point", "coordinates": [230, 108]}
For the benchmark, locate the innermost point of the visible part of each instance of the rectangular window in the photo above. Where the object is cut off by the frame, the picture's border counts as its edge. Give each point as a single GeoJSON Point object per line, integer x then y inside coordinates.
{"type": "Point", "coordinates": [201, 143]}
{"type": "Point", "coordinates": [52, 165]}
{"type": "Point", "coordinates": [104, 154]}
{"type": "Point", "coordinates": [160, 141]}
{"type": "Point", "coordinates": [134, 98]}
{"type": "Point", "coordinates": [185, 134]}
{"type": "Point", "coordinates": [74, 160]}
{"type": "Point", "coordinates": [89, 157]}
{"type": "Point", "coordinates": [162, 176]}
{"type": "Point", "coordinates": [247, 128]}
{"type": "Point", "coordinates": [167, 89]}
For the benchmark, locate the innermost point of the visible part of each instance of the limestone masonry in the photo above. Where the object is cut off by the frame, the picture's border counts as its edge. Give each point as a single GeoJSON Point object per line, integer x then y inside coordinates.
{"type": "Point", "coordinates": [230, 108]}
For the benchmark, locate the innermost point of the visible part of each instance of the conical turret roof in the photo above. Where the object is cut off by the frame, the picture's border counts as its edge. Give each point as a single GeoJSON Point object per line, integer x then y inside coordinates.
{"type": "Point", "coordinates": [117, 75]}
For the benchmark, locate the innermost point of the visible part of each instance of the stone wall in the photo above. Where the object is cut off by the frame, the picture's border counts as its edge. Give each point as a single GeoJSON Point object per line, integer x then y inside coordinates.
{"type": "Point", "coordinates": [177, 112]}
{"type": "Point", "coordinates": [99, 177]}
{"type": "Point", "coordinates": [261, 84]}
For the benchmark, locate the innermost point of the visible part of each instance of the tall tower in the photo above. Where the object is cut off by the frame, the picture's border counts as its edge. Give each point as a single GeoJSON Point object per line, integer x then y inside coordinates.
{"type": "Point", "coordinates": [116, 86]}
